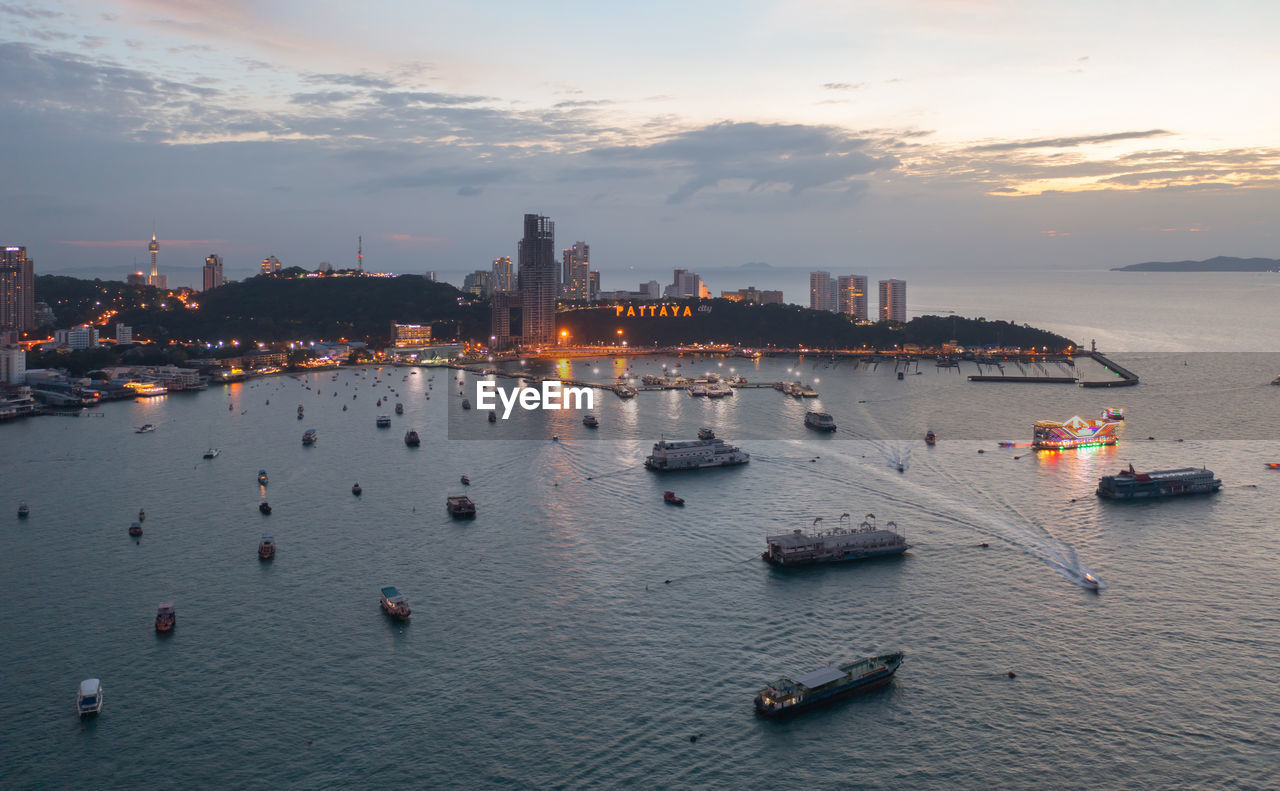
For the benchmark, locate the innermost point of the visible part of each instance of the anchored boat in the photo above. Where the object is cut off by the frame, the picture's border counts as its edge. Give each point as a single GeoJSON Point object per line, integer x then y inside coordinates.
{"type": "Point", "coordinates": [694, 455]}
{"type": "Point", "coordinates": [1075, 433]}
{"type": "Point", "coordinates": [800, 548]}
{"type": "Point", "coordinates": [166, 617]}
{"type": "Point", "coordinates": [819, 421]}
{"type": "Point", "coordinates": [460, 506]}
{"type": "Point", "coordinates": [89, 701]}
{"type": "Point", "coordinates": [1131, 485]}
{"type": "Point", "coordinates": [394, 604]}
{"type": "Point", "coordinates": [789, 696]}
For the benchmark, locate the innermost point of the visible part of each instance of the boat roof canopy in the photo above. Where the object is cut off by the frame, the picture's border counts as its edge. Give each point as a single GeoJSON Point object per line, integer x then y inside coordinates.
{"type": "Point", "coordinates": [390, 591]}
{"type": "Point", "coordinates": [90, 686]}
{"type": "Point", "coordinates": [816, 678]}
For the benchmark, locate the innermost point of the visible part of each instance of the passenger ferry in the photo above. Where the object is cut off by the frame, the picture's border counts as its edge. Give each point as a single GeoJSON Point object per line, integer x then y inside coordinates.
{"type": "Point", "coordinates": [819, 421]}
{"type": "Point", "coordinates": [309, 437]}
{"type": "Point", "coordinates": [1131, 485]}
{"type": "Point", "coordinates": [788, 696]}
{"type": "Point", "coordinates": [694, 455]}
{"type": "Point", "coordinates": [394, 604]}
{"type": "Point", "coordinates": [1075, 433]}
{"type": "Point", "coordinates": [800, 548]}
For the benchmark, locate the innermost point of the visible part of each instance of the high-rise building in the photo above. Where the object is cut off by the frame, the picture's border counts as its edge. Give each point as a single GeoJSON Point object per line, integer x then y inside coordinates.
{"type": "Point", "coordinates": [17, 289]}
{"type": "Point", "coordinates": [479, 283]}
{"type": "Point", "coordinates": [593, 285]}
{"type": "Point", "coordinates": [822, 291]}
{"type": "Point", "coordinates": [212, 271]}
{"type": "Point", "coordinates": [270, 265]}
{"type": "Point", "coordinates": [124, 334]}
{"type": "Point", "coordinates": [893, 300]}
{"type": "Point", "coordinates": [576, 271]}
{"type": "Point", "coordinates": [431, 275]}
{"type": "Point", "coordinates": [651, 290]}
{"type": "Point", "coordinates": [13, 364]}
{"type": "Point", "coordinates": [851, 296]}
{"type": "Point", "coordinates": [537, 277]}
{"type": "Point", "coordinates": [504, 278]}
{"type": "Point", "coordinates": [686, 284]}
{"type": "Point", "coordinates": [136, 279]}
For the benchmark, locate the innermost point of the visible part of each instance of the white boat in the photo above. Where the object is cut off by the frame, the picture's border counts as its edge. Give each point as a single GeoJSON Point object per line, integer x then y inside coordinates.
{"type": "Point", "coordinates": [1089, 581]}
{"type": "Point", "coordinates": [89, 701]}
{"type": "Point", "coordinates": [694, 455]}
{"type": "Point", "coordinates": [211, 453]}
{"type": "Point", "coordinates": [146, 428]}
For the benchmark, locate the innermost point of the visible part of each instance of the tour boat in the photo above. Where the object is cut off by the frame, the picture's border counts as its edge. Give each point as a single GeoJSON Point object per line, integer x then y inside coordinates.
{"type": "Point", "coordinates": [1075, 433]}
{"type": "Point", "coordinates": [1131, 485]}
{"type": "Point", "coordinates": [89, 700]}
{"type": "Point", "coordinates": [1113, 413]}
{"type": "Point", "coordinates": [590, 421]}
{"type": "Point", "coordinates": [411, 438]}
{"type": "Point", "coordinates": [383, 421]}
{"type": "Point", "coordinates": [671, 499]}
{"type": "Point", "coordinates": [146, 428]}
{"type": "Point", "coordinates": [694, 455]}
{"type": "Point", "coordinates": [460, 506]}
{"type": "Point", "coordinates": [356, 490]}
{"type": "Point", "coordinates": [166, 618]}
{"type": "Point", "coordinates": [266, 548]}
{"type": "Point", "coordinates": [211, 453]}
{"type": "Point", "coordinates": [264, 507]}
{"type": "Point", "coordinates": [23, 510]}
{"type": "Point", "coordinates": [135, 529]}
{"type": "Point", "coordinates": [788, 696]}
{"type": "Point", "coordinates": [930, 438]}
{"type": "Point", "coordinates": [309, 437]}
{"type": "Point", "coordinates": [819, 421]}
{"type": "Point", "coordinates": [625, 391]}
{"type": "Point", "coordinates": [262, 477]}
{"type": "Point", "coordinates": [465, 481]}
{"type": "Point", "coordinates": [394, 604]}
{"type": "Point", "coordinates": [839, 545]}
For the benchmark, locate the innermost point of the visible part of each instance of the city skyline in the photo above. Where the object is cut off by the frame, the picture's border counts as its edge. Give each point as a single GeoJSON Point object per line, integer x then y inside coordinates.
{"type": "Point", "coordinates": [912, 136]}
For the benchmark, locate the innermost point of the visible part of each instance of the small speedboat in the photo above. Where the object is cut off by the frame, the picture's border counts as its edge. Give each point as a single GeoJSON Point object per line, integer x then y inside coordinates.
{"type": "Point", "coordinates": [146, 428]}
{"type": "Point", "coordinates": [394, 604]}
{"type": "Point", "coordinates": [356, 490]}
{"type": "Point", "coordinates": [1274, 465]}
{"type": "Point", "coordinates": [211, 453]}
{"type": "Point", "coordinates": [23, 510]}
{"type": "Point", "coordinates": [671, 499]}
{"type": "Point", "coordinates": [166, 618]}
{"type": "Point", "coordinates": [262, 477]}
{"type": "Point", "coordinates": [466, 481]}
{"type": "Point", "coordinates": [466, 403]}
{"type": "Point", "coordinates": [264, 507]}
{"type": "Point", "coordinates": [706, 433]}
{"type": "Point", "coordinates": [89, 701]}
{"type": "Point", "coordinates": [901, 467]}
{"type": "Point", "coordinates": [1090, 582]}
{"type": "Point", "coordinates": [135, 529]}
{"type": "Point", "coordinates": [266, 548]}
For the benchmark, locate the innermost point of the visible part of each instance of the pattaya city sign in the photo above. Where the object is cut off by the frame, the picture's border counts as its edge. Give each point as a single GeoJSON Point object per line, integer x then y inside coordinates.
{"type": "Point", "coordinates": [657, 311]}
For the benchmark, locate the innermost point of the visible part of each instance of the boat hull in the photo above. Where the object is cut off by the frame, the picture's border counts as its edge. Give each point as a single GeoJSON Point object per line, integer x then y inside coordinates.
{"type": "Point", "coordinates": [843, 557]}
{"type": "Point", "coordinates": [1156, 493]}
{"type": "Point", "coordinates": [660, 466]}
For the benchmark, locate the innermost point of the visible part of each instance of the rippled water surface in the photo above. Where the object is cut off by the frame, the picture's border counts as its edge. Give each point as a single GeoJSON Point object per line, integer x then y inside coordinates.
{"type": "Point", "coordinates": [579, 631]}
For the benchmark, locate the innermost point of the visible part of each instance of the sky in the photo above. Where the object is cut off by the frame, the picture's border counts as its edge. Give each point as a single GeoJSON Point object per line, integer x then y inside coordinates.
{"type": "Point", "coordinates": [886, 138]}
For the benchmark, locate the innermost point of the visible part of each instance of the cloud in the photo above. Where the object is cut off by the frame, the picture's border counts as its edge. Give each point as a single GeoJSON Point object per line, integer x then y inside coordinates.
{"type": "Point", "coordinates": [583, 103]}
{"type": "Point", "coordinates": [843, 86]}
{"type": "Point", "coordinates": [26, 12]}
{"type": "Point", "coordinates": [1070, 142]}
{"type": "Point", "coordinates": [362, 80]}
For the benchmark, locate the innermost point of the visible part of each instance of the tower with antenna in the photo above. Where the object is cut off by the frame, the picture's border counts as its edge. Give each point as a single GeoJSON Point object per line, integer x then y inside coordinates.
{"type": "Point", "coordinates": [360, 254]}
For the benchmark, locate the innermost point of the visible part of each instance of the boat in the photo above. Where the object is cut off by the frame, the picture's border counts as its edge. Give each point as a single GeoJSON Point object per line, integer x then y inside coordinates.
{"type": "Point", "coordinates": [266, 547]}
{"type": "Point", "coordinates": [697, 390]}
{"type": "Point", "coordinates": [264, 507]}
{"type": "Point", "coordinates": [1273, 465]}
{"type": "Point", "coordinates": [902, 467]}
{"type": "Point", "coordinates": [465, 481]}
{"type": "Point", "coordinates": [309, 437]}
{"type": "Point", "coordinates": [461, 506]}
{"type": "Point", "coordinates": [135, 529]}
{"type": "Point", "coordinates": [706, 433]}
{"type": "Point", "coordinates": [1131, 485]}
{"type": "Point", "coordinates": [23, 510]}
{"type": "Point", "coordinates": [89, 699]}
{"type": "Point", "coordinates": [1113, 413]}
{"type": "Point", "coordinates": [694, 455]}
{"type": "Point", "coordinates": [1075, 433]}
{"type": "Point", "coordinates": [590, 421]}
{"type": "Point", "coordinates": [166, 618]}
{"type": "Point", "coordinates": [930, 438]}
{"type": "Point", "coordinates": [142, 515]}
{"type": "Point", "coordinates": [1276, 381]}
{"type": "Point", "coordinates": [399, 408]}
{"type": "Point", "coordinates": [466, 403]}
{"type": "Point", "coordinates": [819, 421]}
{"type": "Point", "coordinates": [355, 489]}
{"type": "Point", "coordinates": [493, 416]}
{"type": "Point", "coordinates": [383, 421]}
{"type": "Point", "coordinates": [211, 453]}
{"type": "Point", "coordinates": [625, 391]}
{"type": "Point", "coordinates": [411, 438]}
{"type": "Point", "coordinates": [1089, 581]}
{"type": "Point", "coordinates": [146, 428]}
{"type": "Point", "coordinates": [838, 545]}
{"type": "Point", "coordinates": [671, 499]}
{"type": "Point", "coordinates": [1008, 444]}
{"type": "Point", "coordinates": [788, 696]}
{"type": "Point", "coordinates": [394, 604]}
{"type": "Point", "coordinates": [262, 477]}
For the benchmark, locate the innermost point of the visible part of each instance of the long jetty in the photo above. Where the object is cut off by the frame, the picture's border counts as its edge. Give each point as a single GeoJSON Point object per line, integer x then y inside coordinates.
{"type": "Point", "coordinates": [1126, 378]}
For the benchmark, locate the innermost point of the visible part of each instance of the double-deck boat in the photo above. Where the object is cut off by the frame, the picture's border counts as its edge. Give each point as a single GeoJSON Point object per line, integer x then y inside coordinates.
{"type": "Point", "coordinates": [590, 421]}
{"type": "Point", "coordinates": [819, 421]}
{"type": "Point", "coordinates": [838, 545]}
{"type": "Point", "coordinates": [393, 603]}
{"type": "Point", "coordinates": [694, 455]}
{"type": "Point", "coordinates": [23, 510]}
{"type": "Point", "coordinates": [309, 437]}
{"type": "Point", "coordinates": [89, 699]}
{"type": "Point", "coordinates": [266, 547]}
{"type": "Point", "coordinates": [1131, 485]}
{"type": "Point", "coordinates": [698, 390]}
{"type": "Point", "coordinates": [166, 618]}
{"type": "Point", "coordinates": [411, 438]}
{"type": "Point", "coordinates": [262, 477]}
{"type": "Point", "coordinates": [625, 391]}
{"type": "Point", "coordinates": [383, 421]}
{"type": "Point", "coordinates": [135, 529]}
{"type": "Point", "coordinates": [460, 506]}
{"type": "Point", "coordinates": [788, 696]}
{"type": "Point", "coordinates": [1075, 433]}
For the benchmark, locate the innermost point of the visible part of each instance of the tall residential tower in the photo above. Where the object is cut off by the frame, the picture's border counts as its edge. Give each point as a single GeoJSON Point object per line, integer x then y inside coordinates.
{"type": "Point", "coordinates": [893, 300]}
{"type": "Point", "coordinates": [17, 289]}
{"type": "Point", "coordinates": [537, 276]}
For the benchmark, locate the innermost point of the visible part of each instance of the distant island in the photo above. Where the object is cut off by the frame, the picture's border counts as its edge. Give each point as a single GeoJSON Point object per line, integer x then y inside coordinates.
{"type": "Point", "coordinates": [1220, 264]}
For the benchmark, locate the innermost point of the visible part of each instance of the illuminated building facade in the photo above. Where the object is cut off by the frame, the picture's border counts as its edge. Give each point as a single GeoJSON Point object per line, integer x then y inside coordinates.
{"type": "Point", "coordinates": [17, 289]}
{"type": "Point", "coordinates": [537, 278]}
{"type": "Point", "coordinates": [851, 296]}
{"type": "Point", "coordinates": [270, 265]}
{"type": "Point", "coordinates": [504, 276]}
{"type": "Point", "coordinates": [576, 268]}
{"type": "Point", "coordinates": [893, 300]}
{"type": "Point", "coordinates": [411, 334]}
{"type": "Point", "coordinates": [822, 291]}
{"type": "Point", "coordinates": [212, 271]}
{"type": "Point", "coordinates": [155, 278]}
